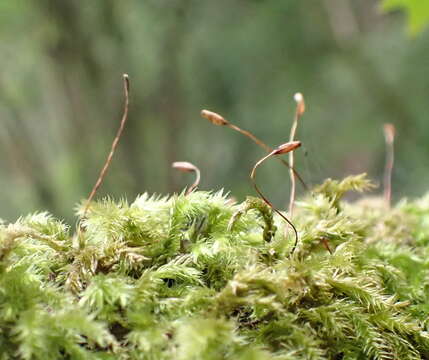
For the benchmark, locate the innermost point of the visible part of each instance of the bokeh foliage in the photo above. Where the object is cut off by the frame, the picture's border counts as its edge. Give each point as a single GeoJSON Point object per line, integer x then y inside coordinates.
{"type": "Point", "coordinates": [418, 12]}
{"type": "Point", "coordinates": [60, 94]}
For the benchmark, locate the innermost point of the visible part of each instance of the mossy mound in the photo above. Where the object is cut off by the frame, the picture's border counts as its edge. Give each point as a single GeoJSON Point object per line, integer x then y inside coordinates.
{"type": "Point", "coordinates": [199, 277]}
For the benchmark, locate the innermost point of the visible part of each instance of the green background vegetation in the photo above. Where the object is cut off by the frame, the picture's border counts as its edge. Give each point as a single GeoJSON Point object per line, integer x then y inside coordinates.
{"type": "Point", "coordinates": [61, 93]}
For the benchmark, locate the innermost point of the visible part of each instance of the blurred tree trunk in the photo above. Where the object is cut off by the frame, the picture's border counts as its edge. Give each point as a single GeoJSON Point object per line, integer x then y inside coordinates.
{"type": "Point", "coordinates": [345, 28]}
{"type": "Point", "coordinates": [171, 90]}
{"type": "Point", "coordinates": [75, 58]}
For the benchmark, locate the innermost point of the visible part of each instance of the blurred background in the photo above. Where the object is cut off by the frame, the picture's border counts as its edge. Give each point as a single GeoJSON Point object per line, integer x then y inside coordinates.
{"type": "Point", "coordinates": [61, 95]}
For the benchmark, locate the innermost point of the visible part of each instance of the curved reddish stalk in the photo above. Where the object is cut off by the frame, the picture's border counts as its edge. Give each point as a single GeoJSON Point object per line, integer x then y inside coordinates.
{"type": "Point", "coordinates": [219, 120]}
{"type": "Point", "coordinates": [114, 146]}
{"type": "Point", "coordinates": [282, 149]}
{"type": "Point", "coordinates": [188, 167]}
{"type": "Point", "coordinates": [389, 134]}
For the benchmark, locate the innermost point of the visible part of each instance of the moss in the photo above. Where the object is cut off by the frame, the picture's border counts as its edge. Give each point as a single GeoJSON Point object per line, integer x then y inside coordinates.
{"type": "Point", "coordinates": [199, 277]}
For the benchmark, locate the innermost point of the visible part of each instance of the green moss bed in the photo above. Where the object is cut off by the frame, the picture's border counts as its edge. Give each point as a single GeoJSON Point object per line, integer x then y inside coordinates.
{"type": "Point", "coordinates": [201, 277]}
